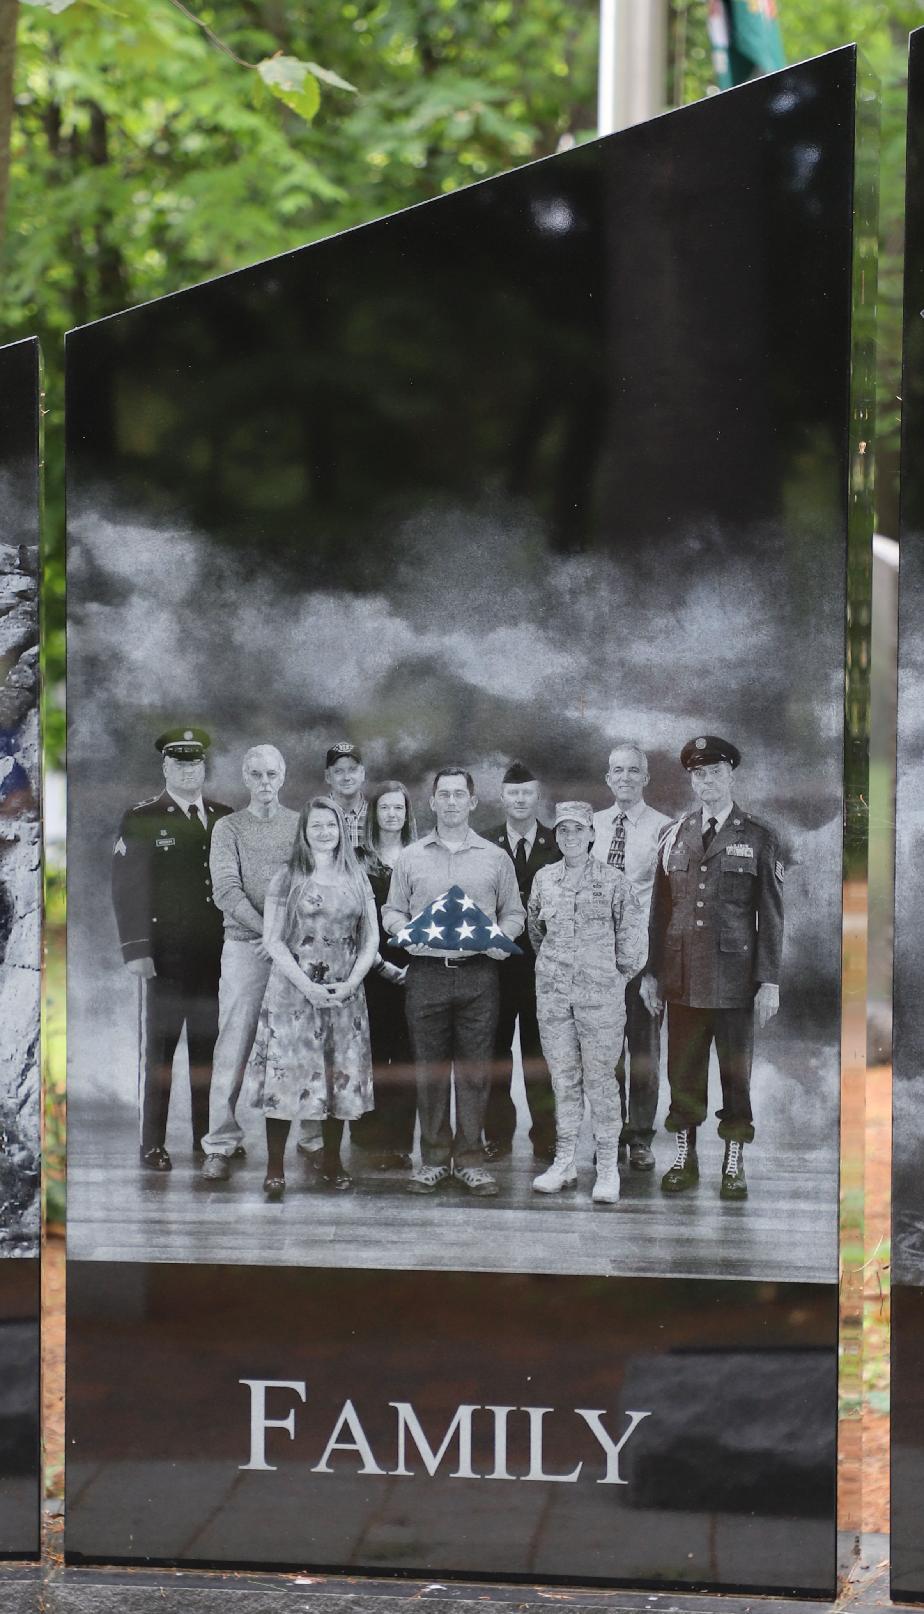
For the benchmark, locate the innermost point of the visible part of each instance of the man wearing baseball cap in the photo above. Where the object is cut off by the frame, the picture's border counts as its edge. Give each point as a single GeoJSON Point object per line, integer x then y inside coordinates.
{"type": "Point", "coordinates": [345, 776]}
{"type": "Point", "coordinates": [170, 933]}
{"type": "Point", "coordinates": [715, 949]}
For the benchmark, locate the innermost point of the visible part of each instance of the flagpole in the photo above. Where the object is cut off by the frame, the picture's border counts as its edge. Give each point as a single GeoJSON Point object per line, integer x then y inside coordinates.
{"type": "Point", "coordinates": [632, 70]}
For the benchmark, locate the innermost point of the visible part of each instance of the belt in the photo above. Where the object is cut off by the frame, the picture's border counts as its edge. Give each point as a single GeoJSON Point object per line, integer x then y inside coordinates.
{"type": "Point", "coordinates": [447, 963]}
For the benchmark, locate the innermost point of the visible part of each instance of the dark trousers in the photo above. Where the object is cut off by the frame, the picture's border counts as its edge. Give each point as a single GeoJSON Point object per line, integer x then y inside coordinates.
{"type": "Point", "coordinates": [518, 1002]}
{"type": "Point", "coordinates": [643, 1047]}
{"type": "Point", "coordinates": [169, 1006]}
{"type": "Point", "coordinates": [390, 1126]}
{"type": "Point", "coordinates": [690, 1035]}
{"type": "Point", "coordinates": [451, 1016]}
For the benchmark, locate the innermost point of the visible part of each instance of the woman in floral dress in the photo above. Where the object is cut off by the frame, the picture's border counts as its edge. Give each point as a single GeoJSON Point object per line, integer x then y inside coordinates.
{"type": "Point", "coordinates": [311, 1057]}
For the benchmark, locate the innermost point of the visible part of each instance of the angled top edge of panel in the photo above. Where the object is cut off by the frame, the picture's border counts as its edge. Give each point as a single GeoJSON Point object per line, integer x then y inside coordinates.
{"type": "Point", "coordinates": [841, 54]}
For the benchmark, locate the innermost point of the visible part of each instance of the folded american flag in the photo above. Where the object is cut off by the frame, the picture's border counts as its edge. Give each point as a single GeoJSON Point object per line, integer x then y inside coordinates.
{"type": "Point", "coordinates": [453, 923]}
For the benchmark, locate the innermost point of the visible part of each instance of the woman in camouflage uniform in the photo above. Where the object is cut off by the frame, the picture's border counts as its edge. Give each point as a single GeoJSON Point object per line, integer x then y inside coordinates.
{"type": "Point", "coordinates": [589, 936]}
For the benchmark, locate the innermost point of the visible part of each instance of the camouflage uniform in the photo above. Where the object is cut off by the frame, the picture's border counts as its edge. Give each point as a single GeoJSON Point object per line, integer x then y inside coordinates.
{"type": "Point", "coordinates": [589, 938]}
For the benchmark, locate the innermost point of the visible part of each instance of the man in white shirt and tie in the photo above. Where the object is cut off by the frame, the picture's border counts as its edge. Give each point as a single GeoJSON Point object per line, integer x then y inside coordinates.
{"type": "Point", "coordinates": [627, 836]}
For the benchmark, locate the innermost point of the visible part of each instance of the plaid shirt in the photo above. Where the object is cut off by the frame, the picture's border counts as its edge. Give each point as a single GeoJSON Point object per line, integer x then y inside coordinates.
{"type": "Point", "coordinates": [355, 821]}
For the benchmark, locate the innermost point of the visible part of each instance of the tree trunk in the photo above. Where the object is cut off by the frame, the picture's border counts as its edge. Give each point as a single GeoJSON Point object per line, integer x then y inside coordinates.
{"type": "Point", "coordinates": [9, 12]}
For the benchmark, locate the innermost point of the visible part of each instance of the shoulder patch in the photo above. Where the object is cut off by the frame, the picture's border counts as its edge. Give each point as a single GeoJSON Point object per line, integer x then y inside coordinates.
{"type": "Point", "coordinates": [148, 802]}
{"type": "Point", "coordinates": [120, 849]}
{"type": "Point", "coordinates": [778, 869]}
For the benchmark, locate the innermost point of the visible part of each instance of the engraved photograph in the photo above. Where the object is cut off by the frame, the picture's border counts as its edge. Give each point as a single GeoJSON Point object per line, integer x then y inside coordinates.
{"type": "Point", "coordinates": [456, 637]}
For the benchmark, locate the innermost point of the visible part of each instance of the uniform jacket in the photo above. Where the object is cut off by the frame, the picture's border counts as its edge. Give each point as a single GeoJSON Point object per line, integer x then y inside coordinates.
{"type": "Point", "coordinates": [716, 929]}
{"type": "Point", "coordinates": [589, 939]}
{"type": "Point", "coordinates": [162, 889]}
{"type": "Point", "coordinates": [543, 851]}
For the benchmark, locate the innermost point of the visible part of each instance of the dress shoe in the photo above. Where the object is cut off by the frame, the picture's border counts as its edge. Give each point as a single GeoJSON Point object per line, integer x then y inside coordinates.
{"type": "Point", "coordinates": [216, 1168]}
{"type": "Point", "coordinates": [641, 1157]}
{"type": "Point", "coordinates": [684, 1173]}
{"type": "Point", "coordinates": [274, 1188]}
{"type": "Point", "coordinates": [156, 1159]}
{"type": "Point", "coordinates": [497, 1150]}
{"type": "Point", "coordinates": [734, 1182]}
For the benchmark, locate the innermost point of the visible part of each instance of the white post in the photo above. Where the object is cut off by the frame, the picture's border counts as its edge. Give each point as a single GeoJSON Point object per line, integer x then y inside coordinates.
{"type": "Point", "coordinates": [632, 78]}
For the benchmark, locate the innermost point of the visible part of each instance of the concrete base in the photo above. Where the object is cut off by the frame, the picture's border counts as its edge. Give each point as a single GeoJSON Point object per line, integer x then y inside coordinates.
{"type": "Point", "coordinates": [29, 1590]}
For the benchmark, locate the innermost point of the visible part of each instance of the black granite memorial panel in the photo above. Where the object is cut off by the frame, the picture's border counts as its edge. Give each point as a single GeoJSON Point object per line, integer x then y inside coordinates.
{"type": "Point", "coordinates": [908, 1014]}
{"type": "Point", "coordinates": [20, 941]}
{"type": "Point", "coordinates": [553, 471]}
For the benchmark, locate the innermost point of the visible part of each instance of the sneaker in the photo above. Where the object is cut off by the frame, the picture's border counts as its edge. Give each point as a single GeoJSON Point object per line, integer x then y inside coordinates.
{"type": "Point", "coordinates": [734, 1182]}
{"type": "Point", "coordinates": [156, 1159]}
{"type": "Point", "coordinates": [684, 1173]}
{"type": "Point", "coordinates": [216, 1168]}
{"type": "Point", "coordinates": [641, 1157]}
{"type": "Point", "coordinates": [560, 1174]}
{"type": "Point", "coordinates": [606, 1187]}
{"type": "Point", "coordinates": [476, 1180]}
{"type": "Point", "coordinates": [427, 1179]}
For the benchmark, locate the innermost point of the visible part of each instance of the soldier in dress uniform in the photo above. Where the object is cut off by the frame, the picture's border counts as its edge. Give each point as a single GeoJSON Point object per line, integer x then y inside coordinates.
{"type": "Point", "coordinates": [531, 845]}
{"type": "Point", "coordinates": [171, 933]}
{"type": "Point", "coordinates": [715, 947]}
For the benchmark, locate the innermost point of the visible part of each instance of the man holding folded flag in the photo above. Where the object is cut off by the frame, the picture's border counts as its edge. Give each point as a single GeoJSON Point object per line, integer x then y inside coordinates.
{"type": "Point", "coordinates": [452, 982]}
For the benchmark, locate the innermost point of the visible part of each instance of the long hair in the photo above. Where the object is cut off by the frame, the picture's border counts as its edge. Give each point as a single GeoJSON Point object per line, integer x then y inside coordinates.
{"type": "Point", "coordinates": [371, 838]}
{"type": "Point", "coordinates": [302, 864]}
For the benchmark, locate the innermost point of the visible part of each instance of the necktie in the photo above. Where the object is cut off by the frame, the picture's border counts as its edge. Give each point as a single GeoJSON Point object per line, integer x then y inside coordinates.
{"type": "Point", "coordinates": [616, 856]}
{"type": "Point", "coordinates": [192, 813]}
{"type": "Point", "coordinates": [709, 833]}
{"type": "Point", "coordinates": [519, 862]}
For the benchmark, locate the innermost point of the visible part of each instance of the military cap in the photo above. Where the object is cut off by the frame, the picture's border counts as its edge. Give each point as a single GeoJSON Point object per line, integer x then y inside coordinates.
{"type": "Point", "coordinates": [185, 745]}
{"type": "Point", "coordinates": [570, 812]}
{"type": "Point", "coordinates": [518, 774]}
{"type": "Point", "coordinates": [706, 749]}
{"type": "Point", "coordinates": [336, 753]}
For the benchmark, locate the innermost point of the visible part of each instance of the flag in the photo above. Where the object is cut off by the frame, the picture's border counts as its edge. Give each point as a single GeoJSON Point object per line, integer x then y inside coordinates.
{"type": "Point", "coordinates": [746, 40]}
{"type": "Point", "coordinates": [453, 923]}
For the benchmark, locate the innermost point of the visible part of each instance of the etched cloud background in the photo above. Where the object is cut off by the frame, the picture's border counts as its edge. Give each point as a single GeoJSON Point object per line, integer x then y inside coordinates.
{"type": "Point", "coordinates": [486, 645]}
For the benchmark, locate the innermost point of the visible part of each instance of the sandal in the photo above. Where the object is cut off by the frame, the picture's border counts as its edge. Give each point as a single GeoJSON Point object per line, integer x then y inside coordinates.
{"type": "Point", "coordinates": [336, 1177]}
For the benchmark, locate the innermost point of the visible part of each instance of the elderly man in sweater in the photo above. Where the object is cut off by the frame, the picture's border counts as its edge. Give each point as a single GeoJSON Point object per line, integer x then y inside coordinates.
{"type": "Point", "coordinates": [255, 842]}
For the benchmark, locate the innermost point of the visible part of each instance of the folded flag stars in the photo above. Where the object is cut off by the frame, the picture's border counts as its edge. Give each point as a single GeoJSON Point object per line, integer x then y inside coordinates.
{"type": "Point", "coordinates": [453, 923]}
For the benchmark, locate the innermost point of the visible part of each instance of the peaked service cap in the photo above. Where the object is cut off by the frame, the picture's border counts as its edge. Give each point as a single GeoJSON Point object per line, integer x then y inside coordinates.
{"type": "Point", "coordinates": [186, 745]}
{"type": "Point", "coordinates": [706, 749]}
{"type": "Point", "coordinates": [518, 774]}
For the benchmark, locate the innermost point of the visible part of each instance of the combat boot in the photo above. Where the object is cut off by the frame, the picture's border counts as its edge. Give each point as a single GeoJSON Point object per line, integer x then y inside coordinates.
{"type": "Point", "coordinates": [560, 1174]}
{"type": "Point", "coordinates": [684, 1173]}
{"type": "Point", "coordinates": [734, 1182]}
{"type": "Point", "coordinates": [606, 1187]}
